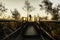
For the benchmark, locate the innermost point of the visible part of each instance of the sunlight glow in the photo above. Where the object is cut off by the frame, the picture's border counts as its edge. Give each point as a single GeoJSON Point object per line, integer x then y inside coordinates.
{"type": "Point", "coordinates": [19, 4]}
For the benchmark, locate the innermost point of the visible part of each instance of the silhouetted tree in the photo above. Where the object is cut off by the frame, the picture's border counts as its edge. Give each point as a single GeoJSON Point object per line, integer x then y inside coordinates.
{"type": "Point", "coordinates": [15, 14]}
{"type": "Point", "coordinates": [28, 8]}
{"type": "Point", "coordinates": [2, 8]}
{"type": "Point", "coordinates": [48, 7]}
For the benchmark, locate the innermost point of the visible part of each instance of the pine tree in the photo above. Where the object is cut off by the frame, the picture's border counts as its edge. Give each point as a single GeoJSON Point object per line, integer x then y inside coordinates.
{"type": "Point", "coordinates": [28, 8]}
{"type": "Point", "coordinates": [15, 14]}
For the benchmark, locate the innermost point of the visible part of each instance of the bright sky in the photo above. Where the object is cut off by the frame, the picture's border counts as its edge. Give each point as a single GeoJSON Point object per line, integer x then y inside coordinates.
{"type": "Point", "coordinates": [19, 4]}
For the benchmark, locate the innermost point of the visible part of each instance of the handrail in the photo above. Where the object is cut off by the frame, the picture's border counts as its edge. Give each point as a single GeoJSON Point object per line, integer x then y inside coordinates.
{"type": "Point", "coordinates": [47, 33]}
{"type": "Point", "coordinates": [11, 33]}
{"type": "Point", "coordinates": [23, 27]}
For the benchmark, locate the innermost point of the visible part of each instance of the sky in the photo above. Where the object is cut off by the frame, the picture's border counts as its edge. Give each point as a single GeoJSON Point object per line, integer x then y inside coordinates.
{"type": "Point", "coordinates": [19, 4]}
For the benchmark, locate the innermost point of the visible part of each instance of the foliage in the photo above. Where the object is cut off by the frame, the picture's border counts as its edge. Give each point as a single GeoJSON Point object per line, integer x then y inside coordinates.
{"type": "Point", "coordinates": [2, 8]}
{"type": "Point", "coordinates": [15, 14]}
{"type": "Point", "coordinates": [49, 9]}
{"type": "Point", "coordinates": [28, 8]}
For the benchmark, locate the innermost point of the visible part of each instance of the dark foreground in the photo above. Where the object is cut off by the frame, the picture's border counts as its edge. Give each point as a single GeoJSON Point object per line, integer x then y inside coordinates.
{"type": "Point", "coordinates": [29, 31]}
